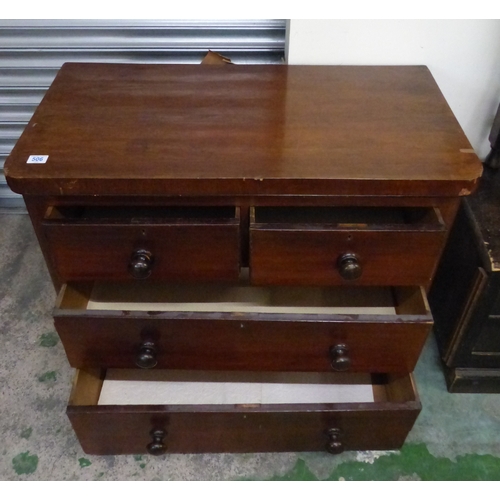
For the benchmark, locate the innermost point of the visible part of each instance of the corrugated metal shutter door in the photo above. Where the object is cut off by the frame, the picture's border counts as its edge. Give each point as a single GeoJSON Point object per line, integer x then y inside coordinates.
{"type": "Point", "coordinates": [31, 52]}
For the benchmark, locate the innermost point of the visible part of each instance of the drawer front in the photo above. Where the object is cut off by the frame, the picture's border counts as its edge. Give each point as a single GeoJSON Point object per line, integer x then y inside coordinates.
{"type": "Point", "coordinates": [169, 251]}
{"type": "Point", "coordinates": [319, 253]}
{"type": "Point", "coordinates": [241, 344]}
{"type": "Point", "coordinates": [158, 429]}
{"type": "Point", "coordinates": [245, 341]}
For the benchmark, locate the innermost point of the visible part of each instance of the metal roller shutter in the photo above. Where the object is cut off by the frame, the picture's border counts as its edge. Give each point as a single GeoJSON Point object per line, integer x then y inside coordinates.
{"type": "Point", "coordinates": [31, 52]}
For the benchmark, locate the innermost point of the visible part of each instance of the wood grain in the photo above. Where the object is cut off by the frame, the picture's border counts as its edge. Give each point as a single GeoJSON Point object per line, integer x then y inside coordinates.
{"type": "Point", "coordinates": [309, 256]}
{"type": "Point", "coordinates": [229, 130]}
{"type": "Point", "coordinates": [244, 341]}
{"type": "Point", "coordinates": [181, 253]}
{"type": "Point", "coordinates": [105, 430]}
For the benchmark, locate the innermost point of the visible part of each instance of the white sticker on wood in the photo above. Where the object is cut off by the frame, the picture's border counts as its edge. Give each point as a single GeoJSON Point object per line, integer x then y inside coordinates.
{"type": "Point", "coordinates": [38, 159]}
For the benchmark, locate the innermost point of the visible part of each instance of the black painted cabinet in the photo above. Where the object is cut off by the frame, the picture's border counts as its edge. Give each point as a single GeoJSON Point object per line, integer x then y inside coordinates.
{"type": "Point", "coordinates": [465, 295]}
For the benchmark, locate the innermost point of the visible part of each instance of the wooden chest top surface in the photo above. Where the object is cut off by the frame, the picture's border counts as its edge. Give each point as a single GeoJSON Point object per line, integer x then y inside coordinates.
{"type": "Point", "coordinates": [130, 129]}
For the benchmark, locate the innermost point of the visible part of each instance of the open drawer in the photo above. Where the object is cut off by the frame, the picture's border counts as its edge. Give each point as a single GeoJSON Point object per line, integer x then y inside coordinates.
{"type": "Point", "coordinates": [345, 245]}
{"type": "Point", "coordinates": [173, 243]}
{"type": "Point", "coordinates": [132, 412]}
{"type": "Point", "coordinates": [360, 329]}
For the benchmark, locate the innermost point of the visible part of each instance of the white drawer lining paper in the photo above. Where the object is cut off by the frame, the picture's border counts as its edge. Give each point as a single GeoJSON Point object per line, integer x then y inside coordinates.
{"type": "Point", "coordinates": [122, 387]}
{"type": "Point", "coordinates": [241, 299]}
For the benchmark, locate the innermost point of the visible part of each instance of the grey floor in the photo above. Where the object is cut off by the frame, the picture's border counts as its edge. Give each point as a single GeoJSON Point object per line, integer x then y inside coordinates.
{"type": "Point", "coordinates": [455, 437]}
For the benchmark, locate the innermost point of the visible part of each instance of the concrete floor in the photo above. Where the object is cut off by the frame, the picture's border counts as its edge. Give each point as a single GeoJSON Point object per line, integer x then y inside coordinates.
{"type": "Point", "coordinates": [456, 436]}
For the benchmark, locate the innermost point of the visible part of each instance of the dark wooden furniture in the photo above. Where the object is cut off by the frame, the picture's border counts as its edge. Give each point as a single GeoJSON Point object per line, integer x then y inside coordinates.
{"type": "Point", "coordinates": [493, 158]}
{"type": "Point", "coordinates": [281, 222]}
{"type": "Point", "coordinates": [465, 297]}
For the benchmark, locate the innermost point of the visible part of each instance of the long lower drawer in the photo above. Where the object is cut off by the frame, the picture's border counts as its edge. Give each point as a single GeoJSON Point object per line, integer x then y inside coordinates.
{"type": "Point", "coordinates": [359, 329]}
{"type": "Point", "coordinates": [133, 412]}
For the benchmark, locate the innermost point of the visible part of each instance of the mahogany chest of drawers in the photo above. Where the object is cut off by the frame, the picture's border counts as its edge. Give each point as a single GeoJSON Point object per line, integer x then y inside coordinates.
{"type": "Point", "coordinates": [242, 253]}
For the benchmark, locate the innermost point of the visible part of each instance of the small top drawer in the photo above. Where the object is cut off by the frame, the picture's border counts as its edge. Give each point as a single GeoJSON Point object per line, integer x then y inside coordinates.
{"type": "Point", "coordinates": [157, 243]}
{"type": "Point", "coordinates": [393, 246]}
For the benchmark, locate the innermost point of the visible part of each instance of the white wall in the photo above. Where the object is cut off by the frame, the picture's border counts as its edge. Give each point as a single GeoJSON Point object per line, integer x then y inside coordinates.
{"type": "Point", "coordinates": [463, 56]}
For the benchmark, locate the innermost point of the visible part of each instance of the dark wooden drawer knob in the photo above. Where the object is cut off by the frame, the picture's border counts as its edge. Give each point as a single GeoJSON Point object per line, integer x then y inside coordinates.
{"type": "Point", "coordinates": [157, 446]}
{"type": "Point", "coordinates": [140, 264]}
{"type": "Point", "coordinates": [146, 355]}
{"type": "Point", "coordinates": [349, 267]}
{"type": "Point", "coordinates": [340, 359]}
{"type": "Point", "coordinates": [334, 444]}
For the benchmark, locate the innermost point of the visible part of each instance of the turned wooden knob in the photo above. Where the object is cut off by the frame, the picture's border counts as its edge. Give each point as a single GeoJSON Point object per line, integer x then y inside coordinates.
{"type": "Point", "coordinates": [349, 267]}
{"type": "Point", "coordinates": [340, 359]}
{"type": "Point", "coordinates": [334, 444]}
{"type": "Point", "coordinates": [146, 355]}
{"type": "Point", "coordinates": [157, 446]}
{"type": "Point", "coordinates": [141, 263]}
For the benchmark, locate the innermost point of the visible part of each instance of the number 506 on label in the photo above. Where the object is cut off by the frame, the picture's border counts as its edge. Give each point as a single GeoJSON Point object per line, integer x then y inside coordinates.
{"type": "Point", "coordinates": [38, 159]}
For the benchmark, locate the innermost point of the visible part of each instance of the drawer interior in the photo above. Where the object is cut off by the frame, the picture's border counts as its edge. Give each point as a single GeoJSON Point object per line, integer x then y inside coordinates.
{"type": "Point", "coordinates": [142, 214]}
{"type": "Point", "coordinates": [348, 216]}
{"type": "Point", "coordinates": [244, 298]}
{"type": "Point", "coordinates": [249, 389]}
{"type": "Point", "coordinates": [209, 388]}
